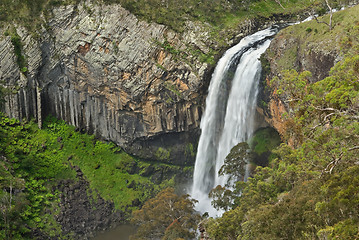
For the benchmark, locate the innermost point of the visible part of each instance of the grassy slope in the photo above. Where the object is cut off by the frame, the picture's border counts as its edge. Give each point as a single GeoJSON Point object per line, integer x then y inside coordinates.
{"type": "Point", "coordinates": [312, 36]}
{"type": "Point", "coordinates": [35, 160]}
{"type": "Point", "coordinates": [104, 165]}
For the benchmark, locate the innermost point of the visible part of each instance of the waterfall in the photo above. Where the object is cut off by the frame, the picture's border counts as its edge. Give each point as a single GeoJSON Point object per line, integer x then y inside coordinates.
{"type": "Point", "coordinates": [229, 115]}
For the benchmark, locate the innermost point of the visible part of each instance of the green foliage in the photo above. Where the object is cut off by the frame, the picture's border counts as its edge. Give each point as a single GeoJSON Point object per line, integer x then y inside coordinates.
{"type": "Point", "coordinates": [190, 150]}
{"type": "Point", "coordinates": [220, 15]}
{"type": "Point", "coordinates": [20, 58]}
{"type": "Point", "coordinates": [169, 48]}
{"type": "Point", "coordinates": [235, 162]}
{"type": "Point", "coordinates": [262, 144]}
{"type": "Point", "coordinates": [264, 141]}
{"type": "Point", "coordinates": [27, 173]}
{"type": "Point", "coordinates": [167, 216]}
{"type": "Point", "coordinates": [234, 167]}
{"type": "Point", "coordinates": [28, 13]}
{"type": "Point", "coordinates": [174, 89]}
{"type": "Point", "coordinates": [222, 198]}
{"type": "Point", "coordinates": [162, 154]}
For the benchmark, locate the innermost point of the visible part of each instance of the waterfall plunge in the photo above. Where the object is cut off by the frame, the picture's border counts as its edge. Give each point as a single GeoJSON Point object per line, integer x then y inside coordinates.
{"type": "Point", "coordinates": [229, 115]}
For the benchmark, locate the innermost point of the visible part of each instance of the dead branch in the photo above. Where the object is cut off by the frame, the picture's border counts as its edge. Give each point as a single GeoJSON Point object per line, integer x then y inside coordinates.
{"type": "Point", "coordinates": [330, 114]}
{"type": "Point", "coordinates": [335, 162]}
{"type": "Point", "coordinates": [353, 148]}
{"type": "Point", "coordinates": [277, 1]}
{"type": "Point", "coordinates": [326, 109]}
{"type": "Point", "coordinates": [330, 16]}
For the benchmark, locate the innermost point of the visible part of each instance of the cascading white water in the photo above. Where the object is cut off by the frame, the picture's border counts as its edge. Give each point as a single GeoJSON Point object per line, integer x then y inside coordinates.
{"type": "Point", "coordinates": [229, 115]}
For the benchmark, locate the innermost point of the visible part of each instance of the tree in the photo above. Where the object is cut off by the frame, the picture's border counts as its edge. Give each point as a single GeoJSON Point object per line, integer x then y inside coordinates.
{"type": "Point", "coordinates": [167, 216]}
{"type": "Point", "coordinates": [12, 202]}
{"type": "Point", "coordinates": [329, 24]}
{"type": "Point", "coordinates": [235, 163]}
{"type": "Point", "coordinates": [234, 168]}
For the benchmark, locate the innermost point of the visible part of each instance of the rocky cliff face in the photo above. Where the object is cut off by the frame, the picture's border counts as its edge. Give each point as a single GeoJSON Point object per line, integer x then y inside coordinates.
{"type": "Point", "coordinates": [107, 73]}
{"type": "Point", "coordinates": [101, 69]}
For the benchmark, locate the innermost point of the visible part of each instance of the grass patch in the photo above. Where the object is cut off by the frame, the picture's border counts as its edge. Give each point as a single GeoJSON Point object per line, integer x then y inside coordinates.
{"type": "Point", "coordinates": [105, 165]}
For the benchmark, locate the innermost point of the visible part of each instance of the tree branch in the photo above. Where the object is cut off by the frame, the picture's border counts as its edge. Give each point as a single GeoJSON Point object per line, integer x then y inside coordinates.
{"type": "Point", "coordinates": [333, 163]}
{"type": "Point", "coordinates": [353, 148]}
{"type": "Point", "coordinates": [330, 16]}
{"type": "Point", "coordinates": [278, 1]}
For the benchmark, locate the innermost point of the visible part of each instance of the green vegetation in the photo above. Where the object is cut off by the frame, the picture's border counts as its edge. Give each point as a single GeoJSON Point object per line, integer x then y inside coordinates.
{"type": "Point", "coordinates": [20, 59]}
{"type": "Point", "coordinates": [190, 151]}
{"type": "Point", "coordinates": [167, 216]}
{"type": "Point", "coordinates": [162, 154]}
{"type": "Point", "coordinates": [169, 48]}
{"type": "Point", "coordinates": [29, 13]}
{"type": "Point", "coordinates": [17, 44]}
{"type": "Point", "coordinates": [234, 166]}
{"type": "Point", "coordinates": [264, 140]}
{"type": "Point", "coordinates": [27, 172]}
{"type": "Point", "coordinates": [262, 144]}
{"type": "Point", "coordinates": [173, 88]}
{"type": "Point", "coordinates": [33, 161]}
{"type": "Point", "coordinates": [310, 189]}
{"type": "Point", "coordinates": [105, 166]}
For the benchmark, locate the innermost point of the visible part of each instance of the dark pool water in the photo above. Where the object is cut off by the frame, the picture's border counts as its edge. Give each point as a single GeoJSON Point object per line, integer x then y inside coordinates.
{"type": "Point", "coordinates": [122, 232]}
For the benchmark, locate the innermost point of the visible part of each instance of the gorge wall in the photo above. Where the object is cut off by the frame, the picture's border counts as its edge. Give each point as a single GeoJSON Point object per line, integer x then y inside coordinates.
{"type": "Point", "coordinates": [104, 71]}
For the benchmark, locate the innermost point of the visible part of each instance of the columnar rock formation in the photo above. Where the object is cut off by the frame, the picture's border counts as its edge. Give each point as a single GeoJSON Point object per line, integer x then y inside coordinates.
{"type": "Point", "coordinates": [101, 69]}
